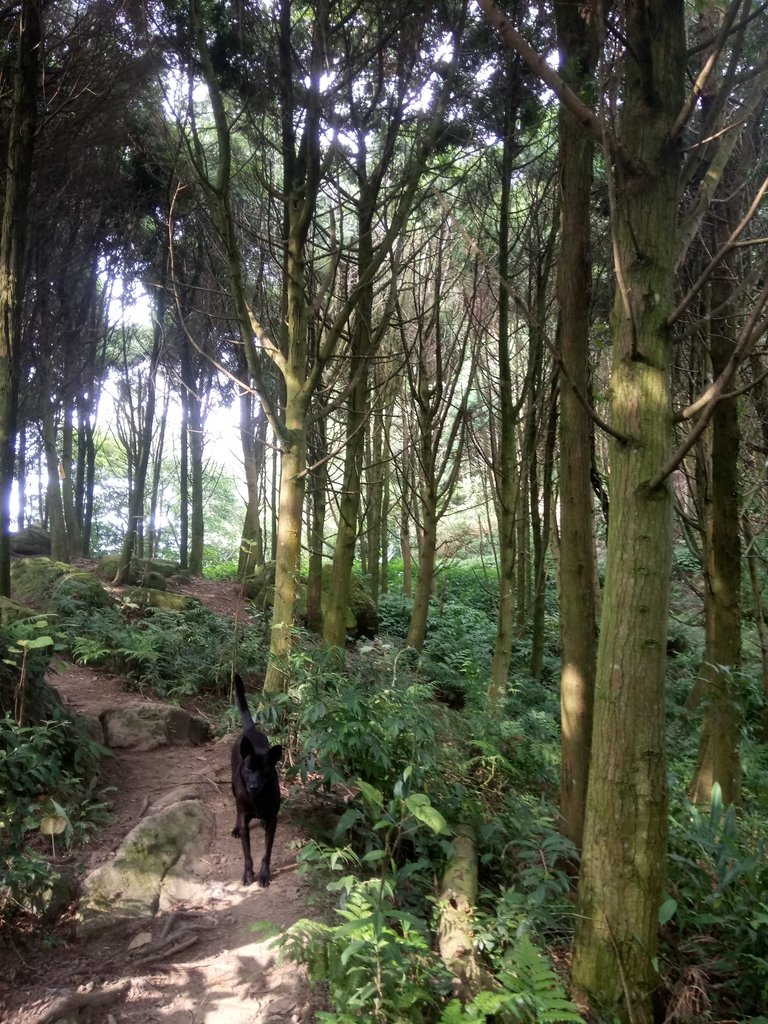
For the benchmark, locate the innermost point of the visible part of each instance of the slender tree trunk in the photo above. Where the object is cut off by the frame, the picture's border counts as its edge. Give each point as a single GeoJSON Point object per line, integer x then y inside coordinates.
{"type": "Point", "coordinates": [57, 522]}
{"type": "Point", "coordinates": [718, 759]}
{"type": "Point", "coordinates": [157, 474]}
{"type": "Point", "coordinates": [293, 464]}
{"type": "Point", "coordinates": [624, 849]}
{"type": "Point", "coordinates": [375, 480]}
{"type": "Point", "coordinates": [541, 544]}
{"type": "Point", "coordinates": [74, 538]}
{"type": "Point", "coordinates": [253, 441]}
{"type": "Point", "coordinates": [184, 482]}
{"type": "Point", "coordinates": [21, 477]}
{"type": "Point", "coordinates": [319, 484]}
{"type": "Point", "coordinates": [506, 478]}
{"type": "Point", "coordinates": [197, 531]}
{"type": "Point", "coordinates": [337, 601]}
{"type": "Point", "coordinates": [89, 484]}
{"type": "Point", "coordinates": [427, 557]}
{"type": "Point", "coordinates": [13, 233]}
{"type": "Point", "coordinates": [134, 526]}
{"type": "Point", "coordinates": [577, 40]}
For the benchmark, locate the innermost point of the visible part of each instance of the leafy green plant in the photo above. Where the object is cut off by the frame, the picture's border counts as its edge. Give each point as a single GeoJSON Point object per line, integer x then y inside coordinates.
{"type": "Point", "coordinates": [47, 771]}
{"type": "Point", "coordinates": [377, 962]}
{"type": "Point", "coordinates": [368, 728]}
{"type": "Point", "coordinates": [529, 992]}
{"type": "Point", "coordinates": [716, 911]}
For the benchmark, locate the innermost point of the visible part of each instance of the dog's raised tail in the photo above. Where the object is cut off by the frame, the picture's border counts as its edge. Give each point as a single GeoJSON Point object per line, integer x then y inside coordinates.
{"type": "Point", "coordinates": [242, 703]}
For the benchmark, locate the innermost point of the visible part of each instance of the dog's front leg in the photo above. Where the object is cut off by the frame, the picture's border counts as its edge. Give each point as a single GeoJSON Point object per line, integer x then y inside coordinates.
{"type": "Point", "coordinates": [270, 827]}
{"type": "Point", "coordinates": [241, 829]}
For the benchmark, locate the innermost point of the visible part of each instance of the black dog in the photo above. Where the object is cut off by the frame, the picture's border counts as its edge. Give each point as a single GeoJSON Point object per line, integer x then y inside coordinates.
{"type": "Point", "coordinates": [255, 787]}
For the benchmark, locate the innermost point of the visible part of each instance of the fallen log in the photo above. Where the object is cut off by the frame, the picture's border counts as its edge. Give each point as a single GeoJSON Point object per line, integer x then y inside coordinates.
{"type": "Point", "coordinates": [455, 933]}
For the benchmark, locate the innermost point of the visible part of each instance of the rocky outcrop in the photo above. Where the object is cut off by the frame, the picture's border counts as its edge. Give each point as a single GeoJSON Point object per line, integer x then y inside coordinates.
{"type": "Point", "coordinates": [147, 726]}
{"type": "Point", "coordinates": [151, 870]}
{"type": "Point", "coordinates": [44, 584]}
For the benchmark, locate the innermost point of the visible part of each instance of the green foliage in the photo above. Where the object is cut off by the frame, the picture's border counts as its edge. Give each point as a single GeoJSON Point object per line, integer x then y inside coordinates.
{"type": "Point", "coordinates": [221, 571]}
{"type": "Point", "coordinates": [395, 614]}
{"type": "Point", "coordinates": [377, 963]}
{"type": "Point", "coordinates": [529, 993]}
{"type": "Point", "coordinates": [368, 726]}
{"type": "Point", "coordinates": [173, 653]}
{"type": "Point", "coordinates": [46, 770]}
{"type": "Point", "coordinates": [458, 646]}
{"type": "Point", "coordinates": [716, 905]}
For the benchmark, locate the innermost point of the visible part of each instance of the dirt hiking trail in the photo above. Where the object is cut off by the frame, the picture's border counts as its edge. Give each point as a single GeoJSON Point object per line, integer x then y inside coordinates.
{"type": "Point", "coordinates": [200, 963]}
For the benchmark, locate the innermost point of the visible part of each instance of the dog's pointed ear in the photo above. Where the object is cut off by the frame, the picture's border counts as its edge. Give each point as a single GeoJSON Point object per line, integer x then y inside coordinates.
{"type": "Point", "coordinates": [246, 747]}
{"type": "Point", "coordinates": [274, 755]}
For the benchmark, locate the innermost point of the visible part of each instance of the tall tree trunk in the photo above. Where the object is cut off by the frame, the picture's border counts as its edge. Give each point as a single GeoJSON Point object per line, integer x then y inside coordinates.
{"type": "Point", "coordinates": [578, 43]}
{"type": "Point", "coordinates": [505, 476]}
{"type": "Point", "coordinates": [319, 483]}
{"type": "Point", "coordinates": [74, 537]}
{"type": "Point", "coordinates": [13, 234]}
{"type": "Point", "coordinates": [21, 477]}
{"type": "Point", "coordinates": [624, 848]}
{"type": "Point", "coordinates": [253, 433]}
{"type": "Point", "coordinates": [337, 601]}
{"type": "Point", "coordinates": [375, 487]}
{"type": "Point", "coordinates": [293, 464]}
{"type": "Point", "coordinates": [718, 759]}
{"type": "Point", "coordinates": [417, 630]}
{"type": "Point", "coordinates": [134, 526]}
{"type": "Point", "coordinates": [157, 475]}
{"type": "Point", "coordinates": [184, 482]}
{"type": "Point", "coordinates": [56, 520]}
{"type": "Point", "coordinates": [541, 541]}
{"type": "Point", "coordinates": [197, 531]}
{"type": "Point", "coordinates": [89, 446]}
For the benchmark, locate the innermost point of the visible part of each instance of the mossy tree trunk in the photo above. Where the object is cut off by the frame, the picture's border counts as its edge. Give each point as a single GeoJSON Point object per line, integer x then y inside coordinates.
{"type": "Point", "coordinates": [578, 44]}
{"type": "Point", "coordinates": [624, 847]}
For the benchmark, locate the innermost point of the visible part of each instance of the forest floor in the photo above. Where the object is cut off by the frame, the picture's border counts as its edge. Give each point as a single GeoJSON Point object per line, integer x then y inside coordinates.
{"type": "Point", "coordinates": [223, 972]}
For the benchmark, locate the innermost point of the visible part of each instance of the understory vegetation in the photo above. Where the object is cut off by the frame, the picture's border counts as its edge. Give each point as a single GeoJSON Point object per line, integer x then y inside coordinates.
{"type": "Point", "coordinates": [411, 738]}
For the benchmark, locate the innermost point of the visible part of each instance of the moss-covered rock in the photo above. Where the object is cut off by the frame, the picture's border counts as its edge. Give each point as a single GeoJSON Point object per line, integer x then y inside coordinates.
{"type": "Point", "coordinates": [148, 726]}
{"type": "Point", "coordinates": [12, 611]}
{"type": "Point", "coordinates": [37, 581]}
{"type": "Point", "coordinates": [78, 590]}
{"type": "Point", "coordinates": [161, 847]}
{"type": "Point", "coordinates": [33, 540]}
{"type": "Point", "coordinates": [259, 586]}
{"type": "Point", "coordinates": [148, 572]}
{"type": "Point", "coordinates": [149, 597]}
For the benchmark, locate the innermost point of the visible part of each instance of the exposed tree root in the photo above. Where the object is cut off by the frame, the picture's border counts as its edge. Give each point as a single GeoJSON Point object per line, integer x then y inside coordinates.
{"type": "Point", "coordinates": [72, 1002]}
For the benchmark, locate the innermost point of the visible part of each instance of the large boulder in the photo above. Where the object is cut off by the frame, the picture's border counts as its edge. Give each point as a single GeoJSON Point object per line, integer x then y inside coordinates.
{"type": "Point", "coordinates": [41, 583]}
{"type": "Point", "coordinates": [143, 572]}
{"type": "Point", "coordinates": [148, 726]}
{"type": "Point", "coordinates": [12, 611]}
{"type": "Point", "coordinates": [149, 871]}
{"type": "Point", "coordinates": [33, 540]}
{"type": "Point", "coordinates": [150, 597]}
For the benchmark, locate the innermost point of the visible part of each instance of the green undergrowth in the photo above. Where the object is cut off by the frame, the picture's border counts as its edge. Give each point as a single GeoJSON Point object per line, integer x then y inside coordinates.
{"type": "Point", "coordinates": [49, 766]}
